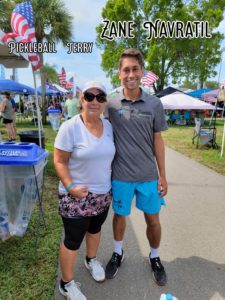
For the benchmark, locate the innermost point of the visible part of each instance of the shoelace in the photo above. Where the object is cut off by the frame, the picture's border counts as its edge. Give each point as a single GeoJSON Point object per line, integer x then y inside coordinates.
{"type": "Point", "coordinates": [115, 258]}
{"type": "Point", "coordinates": [158, 264]}
{"type": "Point", "coordinates": [94, 263]}
{"type": "Point", "coordinates": [75, 285]}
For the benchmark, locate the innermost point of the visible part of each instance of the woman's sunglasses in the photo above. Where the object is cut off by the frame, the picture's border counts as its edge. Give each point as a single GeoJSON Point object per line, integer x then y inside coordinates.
{"type": "Point", "coordinates": [89, 97]}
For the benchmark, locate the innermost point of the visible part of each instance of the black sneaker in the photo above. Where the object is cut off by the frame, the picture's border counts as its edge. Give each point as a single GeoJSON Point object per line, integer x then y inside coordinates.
{"type": "Point", "coordinates": [158, 272]}
{"type": "Point", "coordinates": [113, 265]}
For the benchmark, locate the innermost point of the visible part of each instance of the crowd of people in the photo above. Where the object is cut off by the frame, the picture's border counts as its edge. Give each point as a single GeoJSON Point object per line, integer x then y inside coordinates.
{"type": "Point", "coordinates": [110, 151]}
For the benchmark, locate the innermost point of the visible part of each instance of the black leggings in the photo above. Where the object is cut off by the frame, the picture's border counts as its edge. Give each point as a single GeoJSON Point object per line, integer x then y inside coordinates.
{"type": "Point", "coordinates": [76, 228]}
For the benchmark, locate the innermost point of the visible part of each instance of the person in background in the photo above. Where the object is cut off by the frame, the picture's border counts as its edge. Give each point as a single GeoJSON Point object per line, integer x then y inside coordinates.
{"type": "Point", "coordinates": [139, 165]}
{"type": "Point", "coordinates": [7, 113]}
{"type": "Point", "coordinates": [14, 113]}
{"type": "Point", "coordinates": [51, 105]}
{"type": "Point", "coordinates": [71, 106]}
{"type": "Point", "coordinates": [84, 150]}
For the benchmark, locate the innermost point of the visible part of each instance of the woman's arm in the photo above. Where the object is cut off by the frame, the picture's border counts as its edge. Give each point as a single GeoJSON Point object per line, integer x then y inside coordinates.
{"type": "Point", "coordinates": [2, 106]}
{"type": "Point", "coordinates": [61, 160]}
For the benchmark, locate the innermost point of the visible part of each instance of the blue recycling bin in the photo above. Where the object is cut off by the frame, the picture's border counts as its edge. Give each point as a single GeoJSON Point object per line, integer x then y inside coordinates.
{"type": "Point", "coordinates": [54, 118]}
{"type": "Point", "coordinates": [21, 178]}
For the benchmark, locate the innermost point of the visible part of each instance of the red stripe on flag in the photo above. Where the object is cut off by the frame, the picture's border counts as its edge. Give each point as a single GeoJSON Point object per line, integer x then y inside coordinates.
{"type": "Point", "coordinates": [23, 30]}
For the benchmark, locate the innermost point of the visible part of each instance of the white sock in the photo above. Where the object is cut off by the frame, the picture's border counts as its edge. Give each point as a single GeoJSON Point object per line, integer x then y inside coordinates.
{"type": "Point", "coordinates": [118, 247]}
{"type": "Point", "coordinates": [154, 252]}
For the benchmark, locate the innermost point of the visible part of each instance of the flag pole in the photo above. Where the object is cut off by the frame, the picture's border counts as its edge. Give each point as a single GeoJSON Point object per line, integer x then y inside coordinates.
{"type": "Point", "coordinates": [74, 85]}
{"type": "Point", "coordinates": [223, 139]}
{"type": "Point", "coordinates": [40, 126]}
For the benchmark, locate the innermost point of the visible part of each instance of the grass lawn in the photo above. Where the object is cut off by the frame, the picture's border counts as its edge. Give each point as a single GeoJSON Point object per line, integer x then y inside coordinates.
{"type": "Point", "coordinates": [179, 138]}
{"type": "Point", "coordinates": [22, 276]}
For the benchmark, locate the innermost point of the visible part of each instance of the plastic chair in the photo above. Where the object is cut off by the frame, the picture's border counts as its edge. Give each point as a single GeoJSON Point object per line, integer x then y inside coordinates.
{"type": "Point", "coordinates": [204, 135]}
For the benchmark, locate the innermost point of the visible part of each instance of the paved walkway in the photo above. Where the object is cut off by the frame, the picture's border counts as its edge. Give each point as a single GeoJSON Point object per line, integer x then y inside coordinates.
{"type": "Point", "coordinates": [192, 248]}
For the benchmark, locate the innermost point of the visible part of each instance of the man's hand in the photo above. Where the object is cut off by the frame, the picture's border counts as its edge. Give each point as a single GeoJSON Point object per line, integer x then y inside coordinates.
{"type": "Point", "coordinates": [162, 186]}
{"type": "Point", "coordinates": [79, 191]}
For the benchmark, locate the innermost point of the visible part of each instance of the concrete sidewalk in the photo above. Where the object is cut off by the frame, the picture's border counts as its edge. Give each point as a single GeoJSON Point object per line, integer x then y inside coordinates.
{"type": "Point", "coordinates": [192, 247]}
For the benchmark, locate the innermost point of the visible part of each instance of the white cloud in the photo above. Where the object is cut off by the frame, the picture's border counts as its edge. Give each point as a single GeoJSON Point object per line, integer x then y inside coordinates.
{"type": "Point", "coordinates": [222, 26]}
{"type": "Point", "coordinates": [86, 12]}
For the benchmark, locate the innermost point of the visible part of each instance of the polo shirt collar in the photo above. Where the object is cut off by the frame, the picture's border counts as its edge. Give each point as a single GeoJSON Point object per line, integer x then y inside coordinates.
{"type": "Point", "coordinates": [142, 97]}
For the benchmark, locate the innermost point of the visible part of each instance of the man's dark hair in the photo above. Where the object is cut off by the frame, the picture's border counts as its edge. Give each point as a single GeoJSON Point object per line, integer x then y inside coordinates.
{"type": "Point", "coordinates": [133, 53]}
{"type": "Point", "coordinates": [7, 94]}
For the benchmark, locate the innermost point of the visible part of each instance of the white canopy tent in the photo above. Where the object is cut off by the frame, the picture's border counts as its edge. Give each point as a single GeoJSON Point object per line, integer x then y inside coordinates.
{"type": "Point", "coordinates": [180, 101]}
{"type": "Point", "coordinates": [61, 89]}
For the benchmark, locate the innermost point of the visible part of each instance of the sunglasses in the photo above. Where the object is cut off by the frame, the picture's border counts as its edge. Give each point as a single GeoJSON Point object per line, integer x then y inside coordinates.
{"type": "Point", "coordinates": [89, 97]}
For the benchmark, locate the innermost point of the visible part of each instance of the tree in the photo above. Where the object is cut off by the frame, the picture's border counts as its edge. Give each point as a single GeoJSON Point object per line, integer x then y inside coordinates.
{"type": "Point", "coordinates": [189, 84]}
{"type": "Point", "coordinates": [6, 7]}
{"type": "Point", "coordinates": [212, 85]}
{"type": "Point", "coordinates": [169, 58]}
{"type": "Point", "coordinates": [50, 73]}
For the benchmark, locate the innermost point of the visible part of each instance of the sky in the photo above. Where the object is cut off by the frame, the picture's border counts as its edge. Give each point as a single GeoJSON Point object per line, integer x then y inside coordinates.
{"type": "Point", "coordinates": [87, 66]}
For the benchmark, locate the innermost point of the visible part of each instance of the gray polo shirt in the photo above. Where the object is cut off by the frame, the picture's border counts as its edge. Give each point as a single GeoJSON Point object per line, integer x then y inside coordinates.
{"type": "Point", "coordinates": [134, 125]}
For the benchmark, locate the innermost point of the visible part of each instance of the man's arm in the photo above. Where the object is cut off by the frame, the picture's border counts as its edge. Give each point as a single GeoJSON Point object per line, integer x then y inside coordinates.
{"type": "Point", "coordinates": [159, 149]}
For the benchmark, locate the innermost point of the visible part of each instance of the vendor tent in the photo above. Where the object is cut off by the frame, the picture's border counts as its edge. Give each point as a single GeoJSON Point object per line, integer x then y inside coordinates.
{"type": "Point", "coordinates": [168, 91]}
{"type": "Point", "coordinates": [181, 101]}
{"type": "Point", "coordinates": [59, 88]}
{"type": "Point", "coordinates": [13, 60]}
{"type": "Point", "coordinates": [13, 86]}
{"type": "Point", "coordinates": [49, 92]}
{"type": "Point", "coordinates": [211, 96]}
{"type": "Point", "coordinates": [198, 93]}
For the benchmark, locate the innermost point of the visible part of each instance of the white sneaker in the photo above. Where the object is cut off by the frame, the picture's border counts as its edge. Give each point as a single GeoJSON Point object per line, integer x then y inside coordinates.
{"type": "Point", "coordinates": [96, 269]}
{"type": "Point", "coordinates": [73, 291]}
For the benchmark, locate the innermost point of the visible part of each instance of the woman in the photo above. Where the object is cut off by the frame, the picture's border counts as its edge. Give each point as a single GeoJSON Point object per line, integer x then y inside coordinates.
{"type": "Point", "coordinates": [7, 113]}
{"type": "Point", "coordinates": [84, 150]}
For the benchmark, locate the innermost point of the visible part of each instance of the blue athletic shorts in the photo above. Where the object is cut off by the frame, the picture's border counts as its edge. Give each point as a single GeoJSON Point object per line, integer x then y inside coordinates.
{"type": "Point", "coordinates": [147, 197]}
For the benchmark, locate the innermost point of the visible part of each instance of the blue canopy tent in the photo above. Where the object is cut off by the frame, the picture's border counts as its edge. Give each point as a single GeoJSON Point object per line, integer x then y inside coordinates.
{"type": "Point", "coordinates": [49, 92]}
{"type": "Point", "coordinates": [7, 85]}
{"type": "Point", "coordinates": [198, 93]}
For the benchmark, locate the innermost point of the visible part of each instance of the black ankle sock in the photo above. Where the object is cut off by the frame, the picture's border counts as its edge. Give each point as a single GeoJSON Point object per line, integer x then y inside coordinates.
{"type": "Point", "coordinates": [89, 258]}
{"type": "Point", "coordinates": [63, 283]}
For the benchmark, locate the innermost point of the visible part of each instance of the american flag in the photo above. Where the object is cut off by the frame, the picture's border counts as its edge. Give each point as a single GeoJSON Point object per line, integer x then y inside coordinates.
{"type": "Point", "coordinates": [149, 78]}
{"type": "Point", "coordinates": [62, 77]}
{"type": "Point", "coordinates": [69, 83]}
{"type": "Point", "coordinates": [78, 89]}
{"type": "Point", "coordinates": [22, 23]}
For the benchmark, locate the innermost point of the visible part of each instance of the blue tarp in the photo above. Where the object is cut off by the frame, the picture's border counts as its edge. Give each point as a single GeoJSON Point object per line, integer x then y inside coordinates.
{"type": "Point", "coordinates": [198, 93]}
{"type": "Point", "coordinates": [13, 86]}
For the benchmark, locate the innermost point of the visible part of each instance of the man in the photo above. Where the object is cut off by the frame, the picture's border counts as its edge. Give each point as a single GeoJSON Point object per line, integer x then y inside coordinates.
{"type": "Point", "coordinates": [71, 106]}
{"type": "Point", "coordinates": [139, 164]}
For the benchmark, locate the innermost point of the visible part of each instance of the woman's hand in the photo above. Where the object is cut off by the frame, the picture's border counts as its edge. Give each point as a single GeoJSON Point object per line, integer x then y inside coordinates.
{"type": "Point", "coordinates": [79, 191]}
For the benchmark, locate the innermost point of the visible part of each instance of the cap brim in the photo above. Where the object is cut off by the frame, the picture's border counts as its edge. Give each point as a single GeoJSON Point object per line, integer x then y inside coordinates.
{"type": "Point", "coordinates": [94, 87]}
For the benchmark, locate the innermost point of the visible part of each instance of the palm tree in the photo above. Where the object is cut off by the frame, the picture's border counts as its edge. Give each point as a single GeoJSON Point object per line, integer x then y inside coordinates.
{"type": "Point", "coordinates": [53, 23]}
{"type": "Point", "coordinates": [6, 7]}
{"type": "Point", "coordinates": [49, 73]}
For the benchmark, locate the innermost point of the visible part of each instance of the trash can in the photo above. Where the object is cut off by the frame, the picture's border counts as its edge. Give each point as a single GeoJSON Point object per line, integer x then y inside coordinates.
{"type": "Point", "coordinates": [32, 136]}
{"type": "Point", "coordinates": [21, 178]}
{"type": "Point", "coordinates": [54, 118]}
